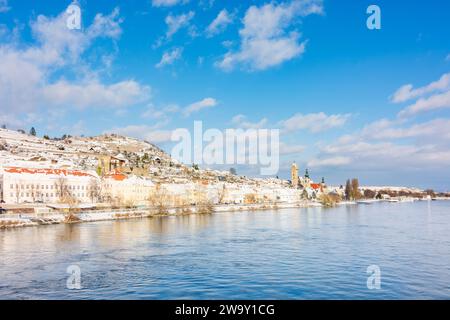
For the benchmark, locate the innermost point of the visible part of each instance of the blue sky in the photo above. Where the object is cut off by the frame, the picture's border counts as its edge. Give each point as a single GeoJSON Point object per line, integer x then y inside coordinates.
{"type": "Point", "coordinates": [310, 68]}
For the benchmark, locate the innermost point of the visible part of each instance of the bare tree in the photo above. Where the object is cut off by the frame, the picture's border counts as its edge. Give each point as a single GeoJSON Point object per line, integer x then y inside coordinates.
{"type": "Point", "coordinates": [159, 199]}
{"type": "Point", "coordinates": [61, 187]}
{"type": "Point", "coordinates": [67, 198]}
{"type": "Point", "coordinates": [221, 193]}
{"type": "Point", "coordinates": [94, 190]}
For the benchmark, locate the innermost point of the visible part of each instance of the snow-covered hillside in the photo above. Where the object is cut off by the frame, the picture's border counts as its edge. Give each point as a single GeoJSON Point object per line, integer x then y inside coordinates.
{"type": "Point", "coordinates": [18, 149]}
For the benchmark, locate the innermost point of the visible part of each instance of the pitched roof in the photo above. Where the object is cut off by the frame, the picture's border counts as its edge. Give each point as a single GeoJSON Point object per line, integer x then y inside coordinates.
{"type": "Point", "coordinates": [117, 176]}
{"type": "Point", "coordinates": [59, 172]}
{"type": "Point", "coordinates": [316, 186]}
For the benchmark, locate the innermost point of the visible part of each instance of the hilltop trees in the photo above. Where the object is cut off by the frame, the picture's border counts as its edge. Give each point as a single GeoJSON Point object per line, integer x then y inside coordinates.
{"type": "Point", "coordinates": [33, 131]}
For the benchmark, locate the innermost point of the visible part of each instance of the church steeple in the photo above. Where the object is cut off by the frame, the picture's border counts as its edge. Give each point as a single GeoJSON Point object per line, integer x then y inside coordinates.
{"type": "Point", "coordinates": [294, 175]}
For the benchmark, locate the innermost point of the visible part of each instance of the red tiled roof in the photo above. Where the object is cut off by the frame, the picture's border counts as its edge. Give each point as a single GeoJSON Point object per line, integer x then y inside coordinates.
{"type": "Point", "coordinates": [117, 176]}
{"type": "Point", "coordinates": [316, 186]}
{"type": "Point", "coordinates": [76, 173]}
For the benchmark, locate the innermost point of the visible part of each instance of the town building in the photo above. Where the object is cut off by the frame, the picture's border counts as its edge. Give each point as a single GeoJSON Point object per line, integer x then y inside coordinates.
{"type": "Point", "coordinates": [120, 189]}
{"type": "Point", "coordinates": [310, 189]}
{"type": "Point", "coordinates": [45, 185]}
{"type": "Point", "coordinates": [294, 175]}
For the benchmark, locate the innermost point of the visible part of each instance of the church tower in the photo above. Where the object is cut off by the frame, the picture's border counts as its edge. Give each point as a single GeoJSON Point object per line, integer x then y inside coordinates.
{"type": "Point", "coordinates": [306, 180]}
{"type": "Point", "coordinates": [294, 175]}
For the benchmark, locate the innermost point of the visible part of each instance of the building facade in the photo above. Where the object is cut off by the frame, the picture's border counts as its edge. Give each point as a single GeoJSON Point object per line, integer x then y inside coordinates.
{"type": "Point", "coordinates": [118, 188]}
{"type": "Point", "coordinates": [30, 185]}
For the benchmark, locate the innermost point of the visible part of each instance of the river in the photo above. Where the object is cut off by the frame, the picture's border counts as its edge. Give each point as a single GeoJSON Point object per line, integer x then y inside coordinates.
{"type": "Point", "coordinates": [305, 253]}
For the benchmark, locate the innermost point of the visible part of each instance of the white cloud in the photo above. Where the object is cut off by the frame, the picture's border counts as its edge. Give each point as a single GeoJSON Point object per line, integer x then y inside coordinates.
{"type": "Point", "coordinates": [386, 145]}
{"type": "Point", "coordinates": [447, 58]}
{"type": "Point", "coordinates": [329, 162]}
{"type": "Point", "coordinates": [287, 149]}
{"type": "Point", "coordinates": [175, 23]}
{"type": "Point", "coordinates": [265, 38]}
{"type": "Point", "coordinates": [241, 122]}
{"type": "Point", "coordinates": [220, 23]}
{"type": "Point", "coordinates": [227, 43]}
{"type": "Point", "coordinates": [436, 129]}
{"type": "Point", "coordinates": [31, 78]}
{"type": "Point", "coordinates": [167, 3]}
{"type": "Point", "coordinates": [384, 156]}
{"type": "Point", "coordinates": [170, 57]}
{"type": "Point", "coordinates": [314, 122]}
{"type": "Point", "coordinates": [407, 92]}
{"type": "Point", "coordinates": [95, 94]}
{"type": "Point", "coordinates": [160, 113]}
{"type": "Point", "coordinates": [437, 101]}
{"type": "Point", "coordinates": [106, 26]}
{"type": "Point", "coordinates": [4, 6]}
{"type": "Point", "coordinates": [200, 105]}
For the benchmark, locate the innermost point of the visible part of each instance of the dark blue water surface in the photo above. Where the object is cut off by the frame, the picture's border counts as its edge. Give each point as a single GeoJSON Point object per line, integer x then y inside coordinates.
{"type": "Point", "coordinates": [311, 253]}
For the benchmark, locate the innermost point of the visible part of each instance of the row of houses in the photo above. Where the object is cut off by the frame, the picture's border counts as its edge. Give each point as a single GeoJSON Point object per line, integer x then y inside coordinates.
{"type": "Point", "coordinates": [49, 185]}
{"type": "Point", "coordinates": [19, 185]}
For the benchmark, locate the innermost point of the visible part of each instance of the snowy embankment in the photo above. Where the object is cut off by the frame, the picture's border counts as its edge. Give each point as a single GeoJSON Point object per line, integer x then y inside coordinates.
{"type": "Point", "coordinates": [17, 220]}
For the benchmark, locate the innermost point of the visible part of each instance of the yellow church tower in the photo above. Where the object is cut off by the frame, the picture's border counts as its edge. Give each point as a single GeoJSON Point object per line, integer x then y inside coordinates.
{"type": "Point", "coordinates": [294, 175]}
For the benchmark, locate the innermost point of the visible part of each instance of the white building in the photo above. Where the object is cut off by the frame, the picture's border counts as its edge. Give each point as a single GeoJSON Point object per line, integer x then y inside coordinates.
{"type": "Point", "coordinates": [126, 190]}
{"type": "Point", "coordinates": [32, 185]}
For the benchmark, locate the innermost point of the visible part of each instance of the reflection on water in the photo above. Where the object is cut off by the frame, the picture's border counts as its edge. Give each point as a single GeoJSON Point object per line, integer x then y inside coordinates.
{"type": "Point", "coordinates": [285, 254]}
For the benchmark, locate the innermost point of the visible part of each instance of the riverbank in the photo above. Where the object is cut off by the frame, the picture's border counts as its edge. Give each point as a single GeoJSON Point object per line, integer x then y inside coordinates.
{"type": "Point", "coordinates": [8, 221]}
{"type": "Point", "coordinates": [32, 219]}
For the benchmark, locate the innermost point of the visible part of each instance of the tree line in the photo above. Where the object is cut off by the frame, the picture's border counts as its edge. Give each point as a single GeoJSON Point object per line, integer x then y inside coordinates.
{"type": "Point", "coordinates": [352, 189]}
